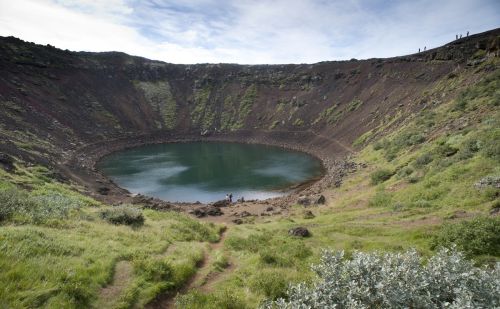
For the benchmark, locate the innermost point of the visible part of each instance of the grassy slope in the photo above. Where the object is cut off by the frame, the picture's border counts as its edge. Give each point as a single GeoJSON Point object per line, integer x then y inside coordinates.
{"type": "Point", "coordinates": [432, 163]}
{"type": "Point", "coordinates": [63, 257]}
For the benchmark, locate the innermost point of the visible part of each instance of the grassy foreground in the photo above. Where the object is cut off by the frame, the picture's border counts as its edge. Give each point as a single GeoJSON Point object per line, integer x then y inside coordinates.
{"type": "Point", "coordinates": [430, 183]}
{"type": "Point", "coordinates": [58, 252]}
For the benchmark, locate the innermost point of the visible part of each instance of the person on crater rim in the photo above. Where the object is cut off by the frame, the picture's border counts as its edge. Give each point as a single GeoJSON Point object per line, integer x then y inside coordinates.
{"type": "Point", "coordinates": [230, 197]}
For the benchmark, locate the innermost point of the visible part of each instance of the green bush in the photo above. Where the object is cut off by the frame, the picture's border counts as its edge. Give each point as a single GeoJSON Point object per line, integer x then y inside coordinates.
{"type": "Point", "coordinates": [124, 214]}
{"type": "Point", "coordinates": [395, 280]}
{"type": "Point", "coordinates": [39, 206]}
{"type": "Point", "coordinates": [446, 150]}
{"type": "Point", "coordinates": [478, 236]}
{"type": "Point", "coordinates": [13, 200]}
{"type": "Point", "coordinates": [423, 160]}
{"type": "Point", "coordinates": [381, 176]}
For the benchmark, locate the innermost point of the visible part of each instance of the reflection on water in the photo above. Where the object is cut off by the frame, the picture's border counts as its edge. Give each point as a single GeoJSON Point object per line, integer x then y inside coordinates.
{"type": "Point", "coordinates": [206, 172]}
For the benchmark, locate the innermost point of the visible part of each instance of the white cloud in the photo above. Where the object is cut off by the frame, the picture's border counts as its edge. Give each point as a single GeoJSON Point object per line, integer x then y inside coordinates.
{"type": "Point", "coordinates": [246, 31]}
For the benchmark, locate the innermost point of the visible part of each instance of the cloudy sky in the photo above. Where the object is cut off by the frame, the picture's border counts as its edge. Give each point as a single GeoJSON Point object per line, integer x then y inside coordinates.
{"type": "Point", "coordinates": [247, 31]}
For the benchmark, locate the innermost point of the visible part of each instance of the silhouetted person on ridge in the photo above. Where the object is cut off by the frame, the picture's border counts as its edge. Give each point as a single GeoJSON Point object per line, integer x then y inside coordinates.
{"type": "Point", "coordinates": [467, 33]}
{"type": "Point", "coordinates": [456, 37]}
{"type": "Point", "coordinates": [425, 48]}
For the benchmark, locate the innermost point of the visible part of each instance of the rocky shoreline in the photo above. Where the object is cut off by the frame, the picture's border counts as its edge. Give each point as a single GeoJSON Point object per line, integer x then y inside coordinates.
{"type": "Point", "coordinates": [335, 158]}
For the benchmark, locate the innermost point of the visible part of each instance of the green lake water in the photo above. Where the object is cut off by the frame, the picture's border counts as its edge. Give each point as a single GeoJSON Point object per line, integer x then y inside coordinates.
{"type": "Point", "coordinates": [206, 172]}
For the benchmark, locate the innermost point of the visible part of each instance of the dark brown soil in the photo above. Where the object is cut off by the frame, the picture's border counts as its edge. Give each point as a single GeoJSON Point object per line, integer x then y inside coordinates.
{"type": "Point", "coordinates": [66, 110]}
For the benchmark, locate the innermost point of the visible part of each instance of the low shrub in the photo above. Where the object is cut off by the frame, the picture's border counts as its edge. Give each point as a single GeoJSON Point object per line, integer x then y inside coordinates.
{"type": "Point", "coordinates": [395, 280]}
{"type": "Point", "coordinates": [381, 176]}
{"type": "Point", "coordinates": [13, 200]}
{"type": "Point", "coordinates": [423, 160]}
{"type": "Point", "coordinates": [124, 214]}
{"type": "Point", "coordinates": [38, 206]}
{"type": "Point", "coordinates": [405, 172]}
{"type": "Point", "coordinates": [446, 150]}
{"type": "Point", "coordinates": [478, 236]}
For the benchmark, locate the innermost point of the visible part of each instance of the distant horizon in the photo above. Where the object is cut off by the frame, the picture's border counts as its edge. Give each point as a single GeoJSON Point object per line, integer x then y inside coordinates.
{"type": "Point", "coordinates": [247, 32]}
{"type": "Point", "coordinates": [243, 64]}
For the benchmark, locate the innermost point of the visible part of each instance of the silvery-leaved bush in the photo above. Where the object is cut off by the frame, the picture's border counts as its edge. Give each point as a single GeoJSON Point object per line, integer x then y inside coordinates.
{"type": "Point", "coordinates": [396, 280]}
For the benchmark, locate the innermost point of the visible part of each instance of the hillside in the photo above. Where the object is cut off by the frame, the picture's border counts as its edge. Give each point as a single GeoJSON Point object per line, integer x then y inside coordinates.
{"type": "Point", "coordinates": [410, 147]}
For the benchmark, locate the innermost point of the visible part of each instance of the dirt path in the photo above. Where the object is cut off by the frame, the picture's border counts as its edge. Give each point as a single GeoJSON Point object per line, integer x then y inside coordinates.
{"type": "Point", "coordinates": [121, 278]}
{"type": "Point", "coordinates": [203, 279]}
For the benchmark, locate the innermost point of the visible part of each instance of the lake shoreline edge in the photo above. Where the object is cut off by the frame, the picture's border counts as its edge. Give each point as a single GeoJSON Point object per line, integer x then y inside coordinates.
{"type": "Point", "coordinates": [334, 157]}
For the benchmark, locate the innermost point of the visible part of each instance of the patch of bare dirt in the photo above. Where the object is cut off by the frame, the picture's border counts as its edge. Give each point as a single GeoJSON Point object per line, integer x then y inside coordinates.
{"type": "Point", "coordinates": [203, 279]}
{"type": "Point", "coordinates": [121, 278]}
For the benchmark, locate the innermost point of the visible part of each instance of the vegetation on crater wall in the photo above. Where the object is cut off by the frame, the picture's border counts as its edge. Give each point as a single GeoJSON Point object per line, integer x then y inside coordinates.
{"type": "Point", "coordinates": [234, 115]}
{"type": "Point", "coordinates": [159, 96]}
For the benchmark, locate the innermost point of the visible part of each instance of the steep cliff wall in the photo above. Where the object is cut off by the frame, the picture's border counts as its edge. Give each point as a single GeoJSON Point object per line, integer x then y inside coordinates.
{"type": "Point", "coordinates": [53, 100]}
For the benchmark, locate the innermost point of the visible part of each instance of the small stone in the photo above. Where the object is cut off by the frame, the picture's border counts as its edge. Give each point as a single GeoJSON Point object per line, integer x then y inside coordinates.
{"type": "Point", "coordinates": [7, 162]}
{"type": "Point", "coordinates": [214, 211]}
{"type": "Point", "coordinates": [244, 214]}
{"type": "Point", "coordinates": [320, 200]}
{"type": "Point", "coordinates": [299, 231]}
{"type": "Point", "coordinates": [237, 221]}
{"type": "Point", "coordinates": [221, 203]}
{"type": "Point", "coordinates": [103, 190]}
{"type": "Point", "coordinates": [304, 201]}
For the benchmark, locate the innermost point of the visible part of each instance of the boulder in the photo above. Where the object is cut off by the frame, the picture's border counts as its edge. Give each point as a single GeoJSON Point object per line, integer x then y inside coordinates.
{"type": "Point", "coordinates": [244, 214]}
{"type": "Point", "coordinates": [198, 213]}
{"type": "Point", "coordinates": [221, 203]}
{"type": "Point", "coordinates": [269, 208]}
{"type": "Point", "coordinates": [320, 200]}
{"type": "Point", "coordinates": [214, 211]}
{"type": "Point", "coordinates": [103, 190]}
{"type": "Point", "coordinates": [206, 211]}
{"type": "Point", "coordinates": [7, 162]}
{"type": "Point", "coordinates": [237, 221]}
{"type": "Point", "coordinates": [304, 201]}
{"type": "Point", "coordinates": [299, 231]}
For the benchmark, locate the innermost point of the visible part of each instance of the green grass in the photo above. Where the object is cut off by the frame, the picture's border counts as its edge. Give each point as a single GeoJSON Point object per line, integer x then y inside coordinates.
{"type": "Point", "coordinates": [428, 169]}
{"type": "Point", "coordinates": [57, 252]}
